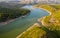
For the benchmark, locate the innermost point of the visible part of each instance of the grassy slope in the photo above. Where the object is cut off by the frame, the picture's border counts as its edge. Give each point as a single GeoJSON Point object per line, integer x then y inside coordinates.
{"type": "Point", "coordinates": [52, 22]}
{"type": "Point", "coordinates": [38, 32]}
{"type": "Point", "coordinates": [52, 29]}
{"type": "Point", "coordinates": [33, 33]}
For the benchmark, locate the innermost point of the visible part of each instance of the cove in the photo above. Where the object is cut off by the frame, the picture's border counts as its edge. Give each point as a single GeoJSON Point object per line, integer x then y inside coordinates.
{"type": "Point", "coordinates": [11, 30]}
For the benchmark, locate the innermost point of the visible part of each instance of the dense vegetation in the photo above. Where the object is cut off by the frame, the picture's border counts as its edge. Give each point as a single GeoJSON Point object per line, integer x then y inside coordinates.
{"type": "Point", "coordinates": [7, 13]}
{"type": "Point", "coordinates": [51, 26]}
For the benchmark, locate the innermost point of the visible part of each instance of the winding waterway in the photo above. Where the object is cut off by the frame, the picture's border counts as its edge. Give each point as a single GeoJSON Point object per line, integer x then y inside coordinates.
{"type": "Point", "coordinates": [11, 30]}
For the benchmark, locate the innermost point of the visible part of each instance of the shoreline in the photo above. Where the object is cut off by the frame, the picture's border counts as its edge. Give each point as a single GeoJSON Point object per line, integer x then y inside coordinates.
{"type": "Point", "coordinates": [42, 18]}
{"type": "Point", "coordinates": [10, 20]}
{"type": "Point", "coordinates": [36, 24]}
{"type": "Point", "coordinates": [43, 9]}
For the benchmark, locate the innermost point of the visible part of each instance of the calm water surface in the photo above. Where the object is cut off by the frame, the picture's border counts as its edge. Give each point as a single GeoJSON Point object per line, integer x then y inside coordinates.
{"type": "Point", "coordinates": [16, 27]}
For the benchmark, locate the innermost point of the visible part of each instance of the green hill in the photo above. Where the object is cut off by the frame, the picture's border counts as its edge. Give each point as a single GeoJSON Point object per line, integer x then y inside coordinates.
{"type": "Point", "coordinates": [11, 13]}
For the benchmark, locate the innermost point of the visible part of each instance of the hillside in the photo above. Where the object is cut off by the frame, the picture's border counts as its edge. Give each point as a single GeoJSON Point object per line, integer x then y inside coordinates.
{"type": "Point", "coordinates": [50, 24]}
{"type": "Point", "coordinates": [8, 13]}
{"type": "Point", "coordinates": [36, 31]}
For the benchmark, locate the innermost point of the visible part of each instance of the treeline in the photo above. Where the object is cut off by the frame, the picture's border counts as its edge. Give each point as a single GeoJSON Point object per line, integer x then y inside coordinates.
{"type": "Point", "coordinates": [7, 13]}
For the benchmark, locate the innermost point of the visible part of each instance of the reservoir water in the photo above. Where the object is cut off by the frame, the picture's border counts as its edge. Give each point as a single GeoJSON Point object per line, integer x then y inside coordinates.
{"type": "Point", "coordinates": [13, 29]}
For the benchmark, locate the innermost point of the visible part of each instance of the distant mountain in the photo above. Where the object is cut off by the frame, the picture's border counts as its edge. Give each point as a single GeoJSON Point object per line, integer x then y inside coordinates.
{"type": "Point", "coordinates": [11, 4]}
{"type": "Point", "coordinates": [4, 4]}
